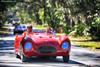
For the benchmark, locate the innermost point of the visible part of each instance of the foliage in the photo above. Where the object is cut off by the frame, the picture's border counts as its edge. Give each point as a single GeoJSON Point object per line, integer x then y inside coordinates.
{"type": "Point", "coordinates": [84, 41]}
{"type": "Point", "coordinates": [3, 10]}
{"type": "Point", "coordinates": [56, 13]}
{"type": "Point", "coordinates": [80, 28]}
{"type": "Point", "coordinates": [67, 29]}
{"type": "Point", "coordinates": [95, 28]}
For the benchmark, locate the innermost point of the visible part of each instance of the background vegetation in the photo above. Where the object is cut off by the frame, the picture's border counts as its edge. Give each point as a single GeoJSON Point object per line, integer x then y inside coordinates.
{"type": "Point", "coordinates": [74, 17]}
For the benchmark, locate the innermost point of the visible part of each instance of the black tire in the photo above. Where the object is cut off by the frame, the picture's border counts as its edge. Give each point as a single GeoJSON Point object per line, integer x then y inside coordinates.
{"type": "Point", "coordinates": [22, 56]}
{"type": "Point", "coordinates": [66, 58]}
{"type": "Point", "coordinates": [54, 57]}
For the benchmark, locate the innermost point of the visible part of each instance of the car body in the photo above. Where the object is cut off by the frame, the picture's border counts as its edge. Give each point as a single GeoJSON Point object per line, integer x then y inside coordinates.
{"type": "Point", "coordinates": [20, 29]}
{"type": "Point", "coordinates": [42, 44]}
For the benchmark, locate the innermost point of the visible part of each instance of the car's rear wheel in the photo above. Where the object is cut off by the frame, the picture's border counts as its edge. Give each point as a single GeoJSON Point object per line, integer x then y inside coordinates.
{"type": "Point", "coordinates": [65, 58]}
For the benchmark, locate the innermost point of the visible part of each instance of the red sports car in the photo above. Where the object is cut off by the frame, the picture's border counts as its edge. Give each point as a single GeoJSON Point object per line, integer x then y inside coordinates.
{"type": "Point", "coordinates": [42, 44]}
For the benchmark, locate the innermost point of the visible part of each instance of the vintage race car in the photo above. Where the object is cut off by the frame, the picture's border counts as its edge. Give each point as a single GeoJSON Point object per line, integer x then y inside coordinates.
{"type": "Point", "coordinates": [42, 44]}
{"type": "Point", "coordinates": [19, 29]}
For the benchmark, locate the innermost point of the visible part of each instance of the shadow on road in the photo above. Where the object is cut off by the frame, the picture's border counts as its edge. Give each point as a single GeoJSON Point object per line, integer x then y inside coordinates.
{"type": "Point", "coordinates": [44, 62]}
{"type": "Point", "coordinates": [94, 57]}
{"type": "Point", "coordinates": [5, 35]}
{"type": "Point", "coordinates": [6, 43]}
{"type": "Point", "coordinates": [50, 60]}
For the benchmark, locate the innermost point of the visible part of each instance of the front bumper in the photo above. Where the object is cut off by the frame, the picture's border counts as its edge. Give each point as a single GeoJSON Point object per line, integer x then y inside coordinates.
{"type": "Point", "coordinates": [47, 51]}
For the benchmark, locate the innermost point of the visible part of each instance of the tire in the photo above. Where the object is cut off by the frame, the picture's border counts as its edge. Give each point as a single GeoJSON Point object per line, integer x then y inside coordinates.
{"type": "Point", "coordinates": [54, 57]}
{"type": "Point", "coordinates": [22, 56]}
{"type": "Point", "coordinates": [66, 58]}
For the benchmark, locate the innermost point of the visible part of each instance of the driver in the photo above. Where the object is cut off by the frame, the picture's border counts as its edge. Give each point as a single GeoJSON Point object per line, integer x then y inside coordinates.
{"type": "Point", "coordinates": [49, 30]}
{"type": "Point", "coordinates": [28, 30]}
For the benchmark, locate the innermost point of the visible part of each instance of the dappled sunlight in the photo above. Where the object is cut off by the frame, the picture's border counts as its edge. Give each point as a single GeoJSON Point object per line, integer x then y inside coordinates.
{"type": "Point", "coordinates": [86, 42]}
{"type": "Point", "coordinates": [39, 63]}
{"type": "Point", "coordinates": [84, 54]}
{"type": "Point", "coordinates": [8, 59]}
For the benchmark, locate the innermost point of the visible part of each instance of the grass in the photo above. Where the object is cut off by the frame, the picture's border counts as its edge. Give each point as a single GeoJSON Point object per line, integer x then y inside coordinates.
{"type": "Point", "coordinates": [85, 42]}
{"type": "Point", "coordinates": [4, 31]}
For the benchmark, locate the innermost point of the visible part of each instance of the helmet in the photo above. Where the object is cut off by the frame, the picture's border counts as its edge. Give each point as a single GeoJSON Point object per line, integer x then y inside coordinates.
{"type": "Point", "coordinates": [29, 26]}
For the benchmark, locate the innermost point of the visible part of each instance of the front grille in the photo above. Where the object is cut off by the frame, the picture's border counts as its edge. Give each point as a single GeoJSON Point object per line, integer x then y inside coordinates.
{"type": "Point", "coordinates": [46, 49]}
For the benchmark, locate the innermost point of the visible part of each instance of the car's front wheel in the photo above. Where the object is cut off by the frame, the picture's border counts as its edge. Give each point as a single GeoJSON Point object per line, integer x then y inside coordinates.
{"type": "Point", "coordinates": [65, 58]}
{"type": "Point", "coordinates": [22, 56]}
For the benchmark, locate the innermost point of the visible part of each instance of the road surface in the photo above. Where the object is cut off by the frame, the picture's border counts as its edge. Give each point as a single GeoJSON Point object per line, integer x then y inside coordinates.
{"type": "Point", "coordinates": [79, 57]}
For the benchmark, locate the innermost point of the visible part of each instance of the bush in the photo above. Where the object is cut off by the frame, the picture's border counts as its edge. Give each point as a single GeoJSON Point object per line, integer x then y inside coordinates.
{"type": "Point", "coordinates": [80, 28]}
{"type": "Point", "coordinates": [95, 28]}
{"type": "Point", "coordinates": [67, 29]}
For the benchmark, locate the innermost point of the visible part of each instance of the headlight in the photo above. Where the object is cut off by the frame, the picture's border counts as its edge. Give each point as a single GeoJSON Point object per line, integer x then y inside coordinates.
{"type": "Point", "coordinates": [28, 46]}
{"type": "Point", "coordinates": [65, 45]}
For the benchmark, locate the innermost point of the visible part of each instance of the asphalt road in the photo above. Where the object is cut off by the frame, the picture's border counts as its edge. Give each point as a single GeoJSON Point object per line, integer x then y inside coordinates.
{"type": "Point", "coordinates": [79, 57]}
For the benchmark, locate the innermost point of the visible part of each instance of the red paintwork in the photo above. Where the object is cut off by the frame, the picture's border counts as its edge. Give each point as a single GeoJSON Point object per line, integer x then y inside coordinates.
{"type": "Point", "coordinates": [41, 39]}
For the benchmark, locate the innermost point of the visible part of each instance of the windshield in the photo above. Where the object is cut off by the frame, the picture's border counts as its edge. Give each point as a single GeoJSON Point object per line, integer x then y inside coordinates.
{"type": "Point", "coordinates": [20, 27]}
{"type": "Point", "coordinates": [38, 31]}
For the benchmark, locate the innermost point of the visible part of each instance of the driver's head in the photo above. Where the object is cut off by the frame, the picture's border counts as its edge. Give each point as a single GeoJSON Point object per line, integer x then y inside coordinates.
{"type": "Point", "coordinates": [29, 28]}
{"type": "Point", "coordinates": [49, 29]}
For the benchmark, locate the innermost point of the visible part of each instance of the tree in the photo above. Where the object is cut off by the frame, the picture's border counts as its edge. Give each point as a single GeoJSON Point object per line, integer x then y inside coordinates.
{"type": "Point", "coordinates": [56, 13]}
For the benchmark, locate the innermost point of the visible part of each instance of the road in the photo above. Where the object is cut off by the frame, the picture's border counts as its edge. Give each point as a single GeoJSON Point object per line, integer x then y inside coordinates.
{"type": "Point", "coordinates": [79, 57]}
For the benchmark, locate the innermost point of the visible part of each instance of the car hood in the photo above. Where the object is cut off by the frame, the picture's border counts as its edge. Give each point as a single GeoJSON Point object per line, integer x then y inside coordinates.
{"type": "Point", "coordinates": [43, 37]}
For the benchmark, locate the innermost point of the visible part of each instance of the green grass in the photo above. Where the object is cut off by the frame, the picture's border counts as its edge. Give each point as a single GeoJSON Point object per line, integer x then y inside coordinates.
{"type": "Point", "coordinates": [4, 30]}
{"type": "Point", "coordinates": [85, 42]}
